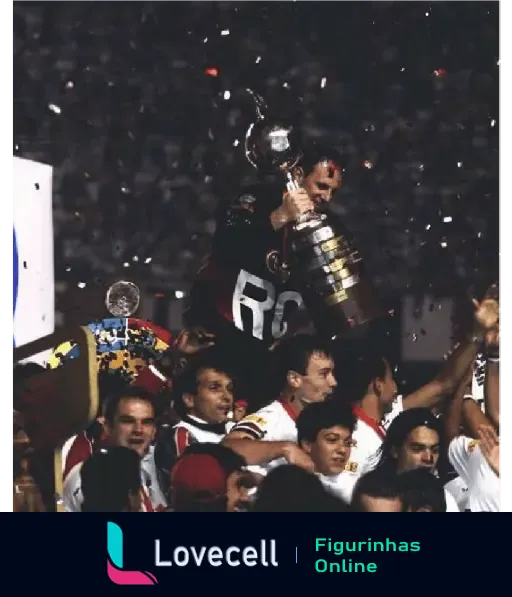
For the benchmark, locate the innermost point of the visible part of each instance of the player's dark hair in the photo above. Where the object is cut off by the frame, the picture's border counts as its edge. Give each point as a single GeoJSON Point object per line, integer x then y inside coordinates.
{"type": "Point", "coordinates": [295, 354]}
{"type": "Point", "coordinates": [378, 483]}
{"type": "Point", "coordinates": [289, 488]}
{"type": "Point", "coordinates": [126, 393]}
{"type": "Point", "coordinates": [359, 372]}
{"type": "Point", "coordinates": [422, 489]}
{"type": "Point", "coordinates": [399, 430]}
{"type": "Point", "coordinates": [186, 382]}
{"type": "Point", "coordinates": [323, 415]}
{"type": "Point", "coordinates": [314, 153]}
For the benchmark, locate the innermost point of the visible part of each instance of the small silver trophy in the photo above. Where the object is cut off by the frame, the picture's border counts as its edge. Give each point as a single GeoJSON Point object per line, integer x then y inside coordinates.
{"type": "Point", "coordinates": [122, 299]}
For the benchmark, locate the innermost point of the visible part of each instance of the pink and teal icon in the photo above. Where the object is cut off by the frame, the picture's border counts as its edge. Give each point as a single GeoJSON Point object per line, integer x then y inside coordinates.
{"type": "Point", "coordinates": [115, 561]}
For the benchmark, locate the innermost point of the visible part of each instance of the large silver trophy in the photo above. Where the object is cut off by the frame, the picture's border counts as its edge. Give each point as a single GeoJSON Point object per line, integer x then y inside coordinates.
{"type": "Point", "coordinates": [328, 269]}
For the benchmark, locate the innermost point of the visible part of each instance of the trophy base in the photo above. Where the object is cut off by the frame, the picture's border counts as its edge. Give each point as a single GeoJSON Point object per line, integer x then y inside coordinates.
{"type": "Point", "coordinates": [345, 313]}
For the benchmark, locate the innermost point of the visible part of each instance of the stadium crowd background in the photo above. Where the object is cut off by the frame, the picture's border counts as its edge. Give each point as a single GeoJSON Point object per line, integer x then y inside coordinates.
{"type": "Point", "coordinates": [142, 113]}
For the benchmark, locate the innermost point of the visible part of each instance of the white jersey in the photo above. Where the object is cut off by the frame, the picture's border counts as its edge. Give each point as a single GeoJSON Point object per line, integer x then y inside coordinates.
{"type": "Point", "coordinates": [76, 449]}
{"type": "Point", "coordinates": [192, 430]}
{"type": "Point", "coordinates": [341, 485]}
{"type": "Point", "coordinates": [459, 491]}
{"type": "Point", "coordinates": [152, 496]}
{"type": "Point", "coordinates": [451, 504]}
{"type": "Point", "coordinates": [367, 439]}
{"type": "Point", "coordinates": [396, 408]}
{"type": "Point", "coordinates": [474, 470]}
{"type": "Point", "coordinates": [150, 482]}
{"type": "Point", "coordinates": [274, 423]}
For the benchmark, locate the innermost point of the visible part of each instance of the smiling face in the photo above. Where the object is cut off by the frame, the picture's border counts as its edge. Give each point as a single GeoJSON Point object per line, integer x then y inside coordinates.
{"type": "Point", "coordinates": [133, 425]}
{"type": "Point", "coordinates": [331, 449]}
{"type": "Point", "coordinates": [213, 399]}
{"type": "Point", "coordinates": [322, 182]}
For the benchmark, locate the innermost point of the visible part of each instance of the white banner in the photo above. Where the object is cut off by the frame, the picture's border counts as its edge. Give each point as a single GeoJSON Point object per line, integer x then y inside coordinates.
{"type": "Point", "coordinates": [33, 275]}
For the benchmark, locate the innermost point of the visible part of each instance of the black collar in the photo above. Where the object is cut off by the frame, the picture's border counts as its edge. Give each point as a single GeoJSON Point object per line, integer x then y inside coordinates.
{"type": "Point", "coordinates": [218, 428]}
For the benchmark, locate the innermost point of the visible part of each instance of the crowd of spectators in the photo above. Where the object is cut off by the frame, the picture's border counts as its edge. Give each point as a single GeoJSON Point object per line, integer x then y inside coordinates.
{"type": "Point", "coordinates": [142, 112]}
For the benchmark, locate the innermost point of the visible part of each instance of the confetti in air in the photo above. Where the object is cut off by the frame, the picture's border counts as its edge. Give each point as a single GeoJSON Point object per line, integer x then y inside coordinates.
{"type": "Point", "coordinates": [146, 133]}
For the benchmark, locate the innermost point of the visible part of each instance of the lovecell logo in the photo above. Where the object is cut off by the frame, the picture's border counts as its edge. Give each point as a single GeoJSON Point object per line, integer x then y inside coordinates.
{"type": "Point", "coordinates": [115, 561]}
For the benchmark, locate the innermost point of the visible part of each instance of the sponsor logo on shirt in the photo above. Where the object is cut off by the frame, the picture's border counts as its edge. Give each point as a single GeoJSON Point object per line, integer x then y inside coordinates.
{"type": "Point", "coordinates": [472, 445]}
{"type": "Point", "coordinates": [254, 419]}
{"type": "Point", "coordinates": [351, 467]}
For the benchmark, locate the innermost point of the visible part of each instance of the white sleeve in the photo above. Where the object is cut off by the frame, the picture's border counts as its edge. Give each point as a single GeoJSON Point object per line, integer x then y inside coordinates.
{"type": "Point", "coordinates": [459, 451]}
{"type": "Point", "coordinates": [485, 488]}
{"type": "Point", "coordinates": [65, 451]}
{"type": "Point", "coordinates": [459, 491]}
{"type": "Point", "coordinates": [451, 504]}
{"type": "Point", "coordinates": [370, 462]}
{"type": "Point", "coordinates": [257, 426]}
{"type": "Point", "coordinates": [72, 491]}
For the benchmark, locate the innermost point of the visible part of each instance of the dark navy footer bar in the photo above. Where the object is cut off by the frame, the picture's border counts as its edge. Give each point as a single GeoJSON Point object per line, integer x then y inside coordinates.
{"type": "Point", "coordinates": [328, 549]}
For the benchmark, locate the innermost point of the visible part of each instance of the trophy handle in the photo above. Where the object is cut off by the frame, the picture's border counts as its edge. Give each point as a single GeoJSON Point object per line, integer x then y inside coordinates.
{"type": "Point", "coordinates": [259, 103]}
{"type": "Point", "coordinates": [291, 183]}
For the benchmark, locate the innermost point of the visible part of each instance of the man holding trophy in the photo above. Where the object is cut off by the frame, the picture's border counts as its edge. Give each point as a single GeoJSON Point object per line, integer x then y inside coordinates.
{"type": "Point", "coordinates": [275, 252]}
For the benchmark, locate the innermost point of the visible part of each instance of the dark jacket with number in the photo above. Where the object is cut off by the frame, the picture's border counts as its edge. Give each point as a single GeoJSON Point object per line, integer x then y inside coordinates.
{"type": "Point", "coordinates": [239, 293]}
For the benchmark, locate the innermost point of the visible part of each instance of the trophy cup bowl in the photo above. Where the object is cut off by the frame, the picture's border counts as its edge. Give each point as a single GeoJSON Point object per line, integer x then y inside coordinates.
{"type": "Point", "coordinates": [272, 147]}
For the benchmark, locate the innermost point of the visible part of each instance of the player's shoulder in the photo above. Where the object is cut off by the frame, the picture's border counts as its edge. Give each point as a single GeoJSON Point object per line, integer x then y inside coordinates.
{"type": "Point", "coordinates": [253, 198]}
{"type": "Point", "coordinates": [246, 197]}
{"type": "Point", "coordinates": [252, 426]}
{"type": "Point", "coordinates": [262, 418]}
{"type": "Point", "coordinates": [271, 409]}
{"type": "Point", "coordinates": [365, 439]}
{"type": "Point", "coordinates": [264, 414]}
{"type": "Point", "coordinates": [72, 489]}
{"type": "Point", "coordinates": [73, 478]}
